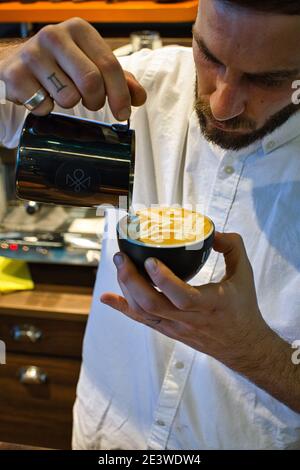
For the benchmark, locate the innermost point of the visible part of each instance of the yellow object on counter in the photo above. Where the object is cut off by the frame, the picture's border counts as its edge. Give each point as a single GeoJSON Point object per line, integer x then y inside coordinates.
{"type": "Point", "coordinates": [14, 276]}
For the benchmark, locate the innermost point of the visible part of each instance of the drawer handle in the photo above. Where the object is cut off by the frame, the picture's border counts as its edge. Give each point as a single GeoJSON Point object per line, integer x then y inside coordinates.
{"type": "Point", "coordinates": [26, 332]}
{"type": "Point", "coordinates": [32, 375]}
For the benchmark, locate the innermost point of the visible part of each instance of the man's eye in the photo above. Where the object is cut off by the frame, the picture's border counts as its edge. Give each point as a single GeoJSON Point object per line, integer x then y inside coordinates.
{"type": "Point", "coordinates": [266, 82]}
{"type": "Point", "coordinates": [209, 58]}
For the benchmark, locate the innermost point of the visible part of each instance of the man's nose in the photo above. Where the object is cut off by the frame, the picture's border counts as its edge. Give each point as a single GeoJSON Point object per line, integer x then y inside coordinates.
{"type": "Point", "coordinates": [229, 99]}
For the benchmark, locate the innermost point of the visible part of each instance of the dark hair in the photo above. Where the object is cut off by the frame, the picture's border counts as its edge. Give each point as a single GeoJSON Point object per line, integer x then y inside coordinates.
{"type": "Point", "coordinates": [284, 7]}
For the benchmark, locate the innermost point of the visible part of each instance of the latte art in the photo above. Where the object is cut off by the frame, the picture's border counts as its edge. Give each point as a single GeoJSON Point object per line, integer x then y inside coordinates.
{"type": "Point", "coordinates": [181, 239]}
{"type": "Point", "coordinates": [167, 226]}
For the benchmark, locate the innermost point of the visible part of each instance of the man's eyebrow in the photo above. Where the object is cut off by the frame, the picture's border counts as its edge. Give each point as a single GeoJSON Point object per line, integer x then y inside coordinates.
{"type": "Point", "coordinates": [268, 75]}
{"type": "Point", "coordinates": [201, 44]}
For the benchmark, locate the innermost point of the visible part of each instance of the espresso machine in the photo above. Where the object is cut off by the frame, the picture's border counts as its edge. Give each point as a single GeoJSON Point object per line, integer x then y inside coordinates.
{"type": "Point", "coordinates": [45, 233]}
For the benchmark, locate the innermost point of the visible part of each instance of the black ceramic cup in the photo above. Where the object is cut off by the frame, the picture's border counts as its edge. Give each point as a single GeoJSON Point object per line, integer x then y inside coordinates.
{"type": "Point", "coordinates": [185, 260]}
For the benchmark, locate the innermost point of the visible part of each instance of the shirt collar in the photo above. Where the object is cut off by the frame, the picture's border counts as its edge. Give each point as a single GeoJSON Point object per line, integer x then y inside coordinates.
{"type": "Point", "coordinates": [283, 134]}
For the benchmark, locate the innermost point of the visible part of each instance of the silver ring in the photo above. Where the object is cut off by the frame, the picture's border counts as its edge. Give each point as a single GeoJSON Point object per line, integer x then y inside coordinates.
{"type": "Point", "coordinates": [36, 99]}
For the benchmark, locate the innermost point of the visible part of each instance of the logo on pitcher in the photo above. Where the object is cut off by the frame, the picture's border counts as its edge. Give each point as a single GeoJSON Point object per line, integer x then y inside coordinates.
{"type": "Point", "coordinates": [78, 181]}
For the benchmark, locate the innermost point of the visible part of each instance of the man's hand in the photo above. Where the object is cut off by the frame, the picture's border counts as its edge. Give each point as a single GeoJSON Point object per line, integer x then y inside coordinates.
{"type": "Point", "coordinates": [220, 319]}
{"type": "Point", "coordinates": [71, 61]}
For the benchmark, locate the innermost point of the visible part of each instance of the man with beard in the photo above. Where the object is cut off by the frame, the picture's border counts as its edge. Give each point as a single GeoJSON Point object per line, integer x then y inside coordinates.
{"type": "Point", "coordinates": [204, 365]}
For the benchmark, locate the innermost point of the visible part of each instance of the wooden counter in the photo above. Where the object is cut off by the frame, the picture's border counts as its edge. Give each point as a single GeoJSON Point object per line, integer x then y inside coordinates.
{"type": "Point", "coordinates": [49, 301]}
{"type": "Point", "coordinates": [43, 332]}
{"type": "Point", "coordinates": [12, 446]}
{"type": "Point", "coordinates": [99, 11]}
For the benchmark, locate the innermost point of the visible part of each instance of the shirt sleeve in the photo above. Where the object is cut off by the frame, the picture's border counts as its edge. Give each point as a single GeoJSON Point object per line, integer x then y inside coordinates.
{"type": "Point", "coordinates": [11, 120]}
{"type": "Point", "coordinates": [12, 116]}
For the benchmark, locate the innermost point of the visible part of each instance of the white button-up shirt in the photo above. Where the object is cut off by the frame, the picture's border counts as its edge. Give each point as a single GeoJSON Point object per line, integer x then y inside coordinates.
{"type": "Point", "coordinates": [139, 389]}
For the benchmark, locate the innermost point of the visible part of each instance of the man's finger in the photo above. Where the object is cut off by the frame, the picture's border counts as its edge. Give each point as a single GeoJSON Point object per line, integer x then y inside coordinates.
{"type": "Point", "coordinates": [181, 295]}
{"type": "Point", "coordinates": [233, 249]}
{"type": "Point", "coordinates": [54, 79]}
{"type": "Point", "coordinates": [94, 46]}
{"type": "Point", "coordinates": [23, 87]}
{"type": "Point", "coordinates": [137, 92]}
{"type": "Point", "coordinates": [143, 293]}
{"type": "Point", "coordinates": [115, 301]}
{"type": "Point", "coordinates": [128, 307]}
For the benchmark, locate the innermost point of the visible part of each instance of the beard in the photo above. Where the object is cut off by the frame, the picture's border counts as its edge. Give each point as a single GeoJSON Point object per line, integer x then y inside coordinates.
{"type": "Point", "coordinates": [236, 140]}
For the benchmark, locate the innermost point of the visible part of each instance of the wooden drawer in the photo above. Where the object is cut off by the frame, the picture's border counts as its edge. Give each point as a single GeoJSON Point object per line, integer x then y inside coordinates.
{"type": "Point", "coordinates": [47, 336]}
{"type": "Point", "coordinates": [38, 414]}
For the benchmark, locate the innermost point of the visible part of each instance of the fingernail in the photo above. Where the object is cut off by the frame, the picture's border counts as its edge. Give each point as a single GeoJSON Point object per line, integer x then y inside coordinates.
{"type": "Point", "coordinates": [151, 265]}
{"type": "Point", "coordinates": [118, 260]}
{"type": "Point", "coordinates": [124, 114]}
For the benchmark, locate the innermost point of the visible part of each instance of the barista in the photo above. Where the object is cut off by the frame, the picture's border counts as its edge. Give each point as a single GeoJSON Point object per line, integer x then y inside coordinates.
{"type": "Point", "coordinates": [188, 367]}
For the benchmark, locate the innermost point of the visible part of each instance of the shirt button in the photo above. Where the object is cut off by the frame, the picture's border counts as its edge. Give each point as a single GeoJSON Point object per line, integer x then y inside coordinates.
{"type": "Point", "coordinates": [159, 422]}
{"type": "Point", "coordinates": [179, 365]}
{"type": "Point", "coordinates": [270, 145]}
{"type": "Point", "coordinates": [229, 170]}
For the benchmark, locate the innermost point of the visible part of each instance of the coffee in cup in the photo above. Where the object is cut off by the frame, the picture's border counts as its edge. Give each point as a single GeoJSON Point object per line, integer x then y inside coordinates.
{"type": "Point", "coordinates": [180, 238]}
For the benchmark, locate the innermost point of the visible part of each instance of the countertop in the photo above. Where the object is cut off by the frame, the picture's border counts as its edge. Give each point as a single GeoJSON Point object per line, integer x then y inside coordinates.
{"type": "Point", "coordinates": [61, 292]}
{"type": "Point", "coordinates": [12, 446]}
